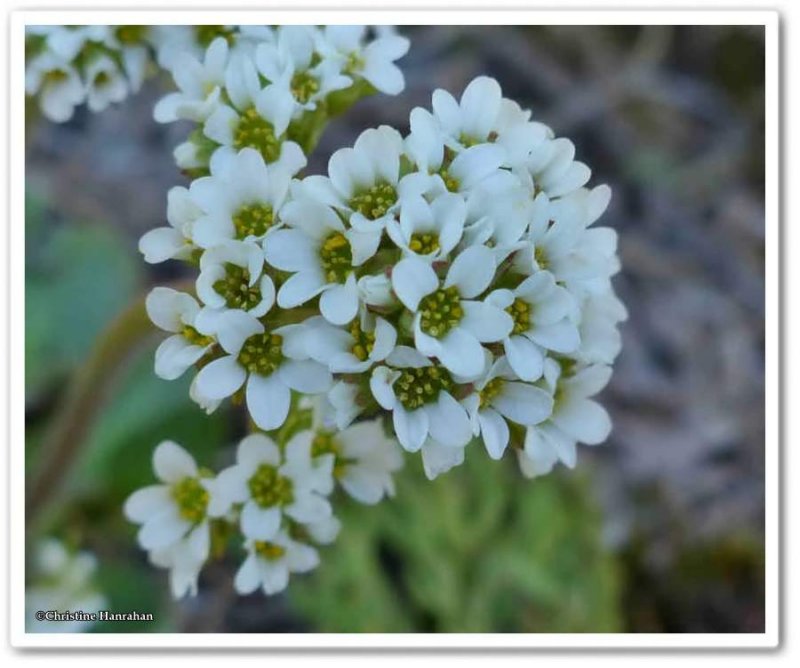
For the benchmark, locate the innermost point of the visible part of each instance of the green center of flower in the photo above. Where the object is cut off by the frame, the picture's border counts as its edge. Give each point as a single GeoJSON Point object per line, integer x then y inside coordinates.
{"type": "Point", "coordinates": [253, 220]}
{"type": "Point", "coordinates": [520, 311]}
{"type": "Point", "coordinates": [268, 551]}
{"type": "Point", "coordinates": [450, 182]}
{"type": "Point", "coordinates": [304, 86]}
{"type": "Point", "coordinates": [567, 365]}
{"type": "Point", "coordinates": [269, 488]}
{"type": "Point", "coordinates": [324, 443]}
{"type": "Point", "coordinates": [262, 353]}
{"type": "Point", "coordinates": [424, 243]}
{"type": "Point", "coordinates": [374, 202]}
{"type": "Point", "coordinates": [196, 338]}
{"type": "Point", "coordinates": [191, 498]}
{"type": "Point", "coordinates": [468, 140]}
{"type": "Point", "coordinates": [363, 342]}
{"type": "Point", "coordinates": [540, 257]}
{"type": "Point", "coordinates": [236, 288]}
{"type": "Point", "coordinates": [355, 63]}
{"type": "Point", "coordinates": [131, 34]}
{"type": "Point", "coordinates": [417, 387]}
{"type": "Point", "coordinates": [337, 258]}
{"type": "Point", "coordinates": [490, 391]}
{"type": "Point", "coordinates": [55, 77]}
{"type": "Point", "coordinates": [440, 311]}
{"type": "Point", "coordinates": [102, 79]}
{"type": "Point", "coordinates": [207, 34]}
{"type": "Point", "coordinates": [256, 132]}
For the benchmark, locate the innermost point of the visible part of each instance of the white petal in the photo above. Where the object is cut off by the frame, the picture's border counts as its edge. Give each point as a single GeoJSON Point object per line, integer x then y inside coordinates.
{"type": "Point", "coordinates": [461, 353]}
{"type": "Point", "coordinates": [411, 427]}
{"type": "Point", "coordinates": [257, 449]}
{"type": "Point", "coordinates": [300, 288]}
{"type": "Point", "coordinates": [248, 577]}
{"type": "Point", "coordinates": [486, 322]}
{"type": "Point", "coordinates": [448, 421]}
{"type": "Point", "coordinates": [305, 376]}
{"type": "Point", "coordinates": [523, 404]}
{"type": "Point", "coordinates": [438, 459]}
{"type": "Point", "coordinates": [172, 463]}
{"type": "Point", "coordinates": [161, 244]}
{"type": "Point", "coordinates": [143, 503]}
{"type": "Point", "coordinates": [494, 431]}
{"type": "Point", "coordinates": [260, 523]}
{"type": "Point", "coordinates": [174, 355]}
{"type": "Point", "coordinates": [339, 304]}
{"type": "Point", "coordinates": [413, 279]}
{"type": "Point", "coordinates": [563, 336]}
{"type": "Point", "coordinates": [221, 378]}
{"type": "Point", "coordinates": [380, 384]}
{"type": "Point", "coordinates": [268, 400]}
{"type": "Point", "coordinates": [472, 271]}
{"type": "Point", "coordinates": [525, 357]}
{"type": "Point", "coordinates": [163, 530]}
{"type": "Point", "coordinates": [585, 420]}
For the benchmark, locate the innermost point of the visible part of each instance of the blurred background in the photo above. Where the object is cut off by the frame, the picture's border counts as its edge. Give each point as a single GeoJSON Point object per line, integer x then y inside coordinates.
{"type": "Point", "coordinates": [658, 530]}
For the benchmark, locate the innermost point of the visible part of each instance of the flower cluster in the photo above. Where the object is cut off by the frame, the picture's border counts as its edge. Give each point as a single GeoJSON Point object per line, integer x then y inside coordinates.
{"type": "Point", "coordinates": [450, 280]}
{"type": "Point", "coordinates": [62, 582]}
{"type": "Point", "coordinates": [275, 497]}
{"type": "Point", "coordinates": [273, 90]}
{"type": "Point", "coordinates": [431, 290]}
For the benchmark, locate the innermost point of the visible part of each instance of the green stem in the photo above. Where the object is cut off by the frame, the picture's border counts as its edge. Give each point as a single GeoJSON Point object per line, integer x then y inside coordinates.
{"type": "Point", "coordinates": [84, 399]}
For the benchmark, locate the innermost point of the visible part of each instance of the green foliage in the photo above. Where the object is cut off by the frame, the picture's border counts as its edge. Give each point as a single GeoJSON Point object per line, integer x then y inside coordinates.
{"type": "Point", "coordinates": [77, 277]}
{"type": "Point", "coordinates": [144, 411]}
{"type": "Point", "coordinates": [480, 549]}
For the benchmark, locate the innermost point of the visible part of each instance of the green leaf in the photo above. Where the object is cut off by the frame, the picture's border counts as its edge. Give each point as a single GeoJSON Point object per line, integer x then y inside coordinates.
{"type": "Point", "coordinates": [480, 549]}
{"type": "Point", "coordinates": [77, 277]}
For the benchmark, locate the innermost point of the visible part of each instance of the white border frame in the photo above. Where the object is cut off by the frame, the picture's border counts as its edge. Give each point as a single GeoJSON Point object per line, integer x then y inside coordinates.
{"type": "Point", "coordinates": [19, 638]}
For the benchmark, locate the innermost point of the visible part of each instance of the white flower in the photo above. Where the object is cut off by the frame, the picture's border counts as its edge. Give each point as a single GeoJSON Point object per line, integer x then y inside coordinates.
{"type": "Point", "coordinates": [231, 276]}
{"type": "Point", "coordinates": [559, 242]}
{"type": "Point", "coordinates": [448, 323]}
{"type": "Point", "coordinates": [601, 313]}
{"type": "Point", "coordinates": [576, 417]}
{"type": "Point", "coordinates": [343, 398]}
{"type": "Point", "coordinates": [318, 251]}
{"type": "Point", "coordinates": [177, 509]}
{"type": "Point", "coordinates": [270, 486]}
{"type": "Point", "coordinates": [268, 364]}
{"type": "Point", "coordinates": [255, 117]}
{"type": "Point", "coordinates": [289, 65]}
{"type": "Point", "coordinates": [552, 168]}
{"type": "Point", "coordinates": [105, 83]}
{"type": "Point", "coordinates": [440, 171]}
{"type": "Point", "coordinates": [363, 458]}
{"type": "Point", "coordinates": [133, 44]}
{"type": "Point", "coordinates": [269, 563]}
{"type": "Point", "coordinates": [199, 85]}
{"type": "Point", "coordinates": [376, 291]}
{"type": "Point", "coordinates": [417, 392]}
{"type": "Point", "coordinates": [61, 582]}
{"type": "Point", "coordinates": [56, 83]}
{"type": "Point", "coordinates": [174, 241]}
{"type": "Point", "coordinates": [364, 342]}
{"type": "Point", "coordinates": [239, 200]}
{"type": "Point", "coordinates": [373, 61]}
{"type": "Point", "coordinates": [500, 397]}
{"type": "Point", "coordinates": [363, 185]}
{"type": "Point", "coordinates": [430, 230]}
{"type": "Point", "coordinates": [184, 559]}
{"type": "Point", "coordinates": [541, 311]}
{"type": "Point", "coordinates": [177, 312]}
